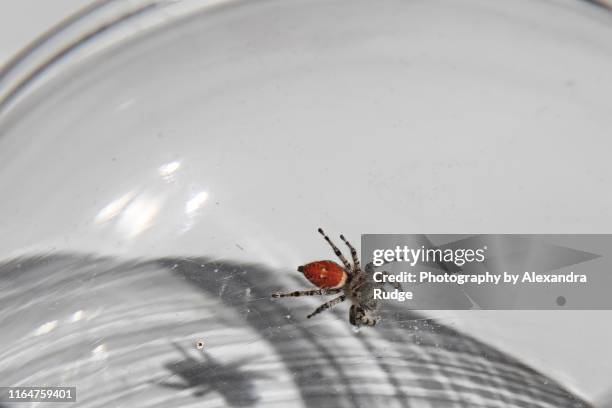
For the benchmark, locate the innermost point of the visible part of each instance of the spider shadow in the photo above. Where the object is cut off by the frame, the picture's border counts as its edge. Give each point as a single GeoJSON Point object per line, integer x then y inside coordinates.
{"type": "Point", "coordinates": [208, 375]}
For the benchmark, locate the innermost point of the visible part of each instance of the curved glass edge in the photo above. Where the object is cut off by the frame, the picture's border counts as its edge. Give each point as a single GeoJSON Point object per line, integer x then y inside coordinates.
{"type": "Point", "coordinates": [100, 25]}
{"type": "Point", "coordinates": [106, 21]}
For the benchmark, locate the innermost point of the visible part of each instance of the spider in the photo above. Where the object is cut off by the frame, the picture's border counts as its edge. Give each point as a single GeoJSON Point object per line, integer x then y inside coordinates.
{"type": "Point", "coordinates": [354, 283]}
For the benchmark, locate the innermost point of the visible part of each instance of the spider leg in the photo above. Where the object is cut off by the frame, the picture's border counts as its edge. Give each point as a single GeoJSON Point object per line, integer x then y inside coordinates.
{"type": "Point", "coordinates": [356, 263]}
{"type": "Point", "coordinates": [327, 305]}
{"type": "Point", "coordinates": [358, 316]}
{"type": "Point", "coordinates": [396, 285]}
{"type": "Point", "coordinates": [346, 263]}
{"type": "Point", "coordinates": [312, 292]}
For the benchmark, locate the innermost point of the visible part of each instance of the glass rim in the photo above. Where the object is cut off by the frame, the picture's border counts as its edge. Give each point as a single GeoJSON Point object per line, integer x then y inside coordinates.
{"type": "Point", "coordinates": [99, 19]}
{"type": "Point", "coordinates": [105, 21]}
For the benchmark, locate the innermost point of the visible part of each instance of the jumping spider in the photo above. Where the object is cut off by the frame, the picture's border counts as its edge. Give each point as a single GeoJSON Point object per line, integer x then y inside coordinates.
{"type": "Point", "coordinates": [354, 283]}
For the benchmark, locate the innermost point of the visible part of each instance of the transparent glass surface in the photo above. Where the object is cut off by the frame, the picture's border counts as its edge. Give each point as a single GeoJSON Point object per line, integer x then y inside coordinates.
{"type": "Point", "coordinates": [158, 185]}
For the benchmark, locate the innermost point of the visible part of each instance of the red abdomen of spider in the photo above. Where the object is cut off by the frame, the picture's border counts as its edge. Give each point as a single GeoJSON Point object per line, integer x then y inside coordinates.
{"type": "Point", "coordinates": [324, 274]}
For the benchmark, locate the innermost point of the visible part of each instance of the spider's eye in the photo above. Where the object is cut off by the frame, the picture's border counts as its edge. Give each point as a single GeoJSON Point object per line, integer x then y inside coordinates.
{"type": "Point", "coordinates": [324, 274]}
